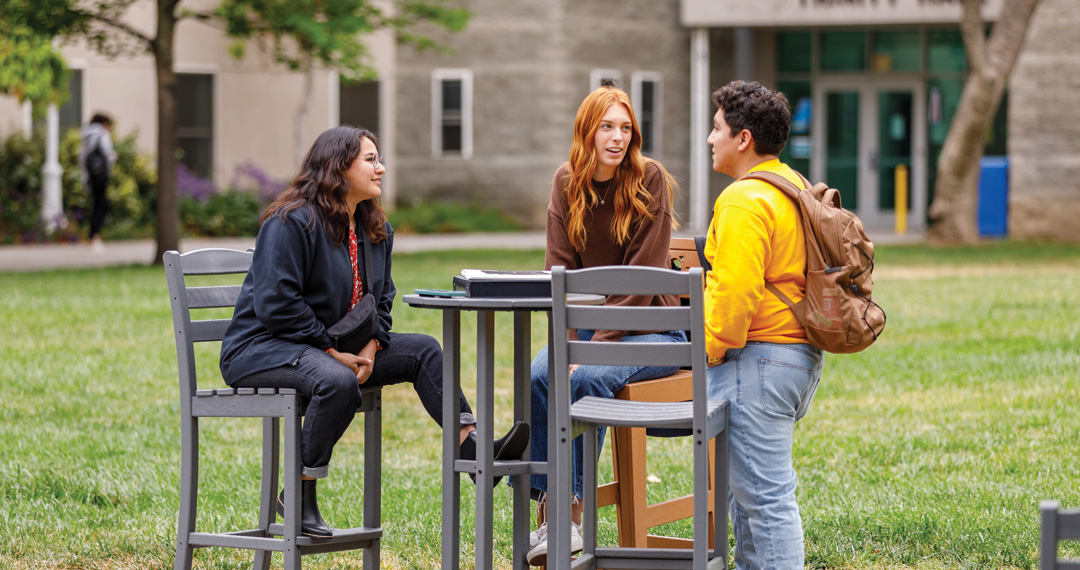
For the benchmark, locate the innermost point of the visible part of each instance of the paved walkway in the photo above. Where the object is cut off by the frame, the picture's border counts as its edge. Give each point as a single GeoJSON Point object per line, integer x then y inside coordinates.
{"type": "Point", "coordinates": [41, 257]}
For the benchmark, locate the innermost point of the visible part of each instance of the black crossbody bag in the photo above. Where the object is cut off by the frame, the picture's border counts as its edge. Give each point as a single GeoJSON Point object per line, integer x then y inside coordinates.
{"type": "Point", "coordinates": [361, 324]}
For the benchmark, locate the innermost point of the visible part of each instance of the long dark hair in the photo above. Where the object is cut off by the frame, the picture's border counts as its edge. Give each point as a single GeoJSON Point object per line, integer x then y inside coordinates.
{"type": "Point", "coordinates": [321, 186]}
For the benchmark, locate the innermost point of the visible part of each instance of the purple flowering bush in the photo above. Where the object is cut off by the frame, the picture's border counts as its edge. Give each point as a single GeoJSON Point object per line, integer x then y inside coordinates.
{"type": "Point", "coordinates": [266, 187]}
{"type": "Point", "coordinates": [208, 211]}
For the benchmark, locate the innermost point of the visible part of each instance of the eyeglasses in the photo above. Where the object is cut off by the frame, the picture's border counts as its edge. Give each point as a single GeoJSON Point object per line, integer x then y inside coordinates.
{"type": "Point", "coordinates": [375, 160]}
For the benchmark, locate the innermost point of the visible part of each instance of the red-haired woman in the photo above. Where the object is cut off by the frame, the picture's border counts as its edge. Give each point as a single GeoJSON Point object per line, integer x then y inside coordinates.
{"type": "Point", "coordinates": [609, 206]}
{"type": "Point", "coordinates": [307, 273]}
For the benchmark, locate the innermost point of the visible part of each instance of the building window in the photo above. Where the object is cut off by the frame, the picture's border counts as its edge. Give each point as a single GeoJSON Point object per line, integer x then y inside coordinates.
{"type": "Point", "coordinates": [195, 127]}
{"type": "Point", "coordinates": [598, 77]}
{"type": "Point", "coordinates": [646, 96]}
{"type": "Point", "coordinates": [358, 104]}
{"type": "Point", "coordinates": [793, 52]}
{"type": "Point", "coordinates": [451, 111]}
{"type": "Point", "coordinates": [843, 51]}
{"type": "Point", "coordinates": [69, 115]}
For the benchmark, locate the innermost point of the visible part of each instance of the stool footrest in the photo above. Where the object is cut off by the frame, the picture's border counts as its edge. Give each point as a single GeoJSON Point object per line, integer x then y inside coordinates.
{"type": "Point", "coordinates": [652, 558]}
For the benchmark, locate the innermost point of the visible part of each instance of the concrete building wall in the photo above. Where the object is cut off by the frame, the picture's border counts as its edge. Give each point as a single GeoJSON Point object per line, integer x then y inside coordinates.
{"type": "Point", "coordinates": [255, 101]}
{"type": "Point", "coordinates": [1044, 127]}
{"type": "Point", "coordinates": [531, 67]}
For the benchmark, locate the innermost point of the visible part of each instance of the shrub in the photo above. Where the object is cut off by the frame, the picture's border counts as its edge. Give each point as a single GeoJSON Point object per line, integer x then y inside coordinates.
{"type": "Point", "coordinates": [131, 189]}
{"type": "Point", "coordinates": [204, 209]}
{"type": "Point", "coordinates": [450, 217]}
{"type": "Point", "coordinates": [234, 211]}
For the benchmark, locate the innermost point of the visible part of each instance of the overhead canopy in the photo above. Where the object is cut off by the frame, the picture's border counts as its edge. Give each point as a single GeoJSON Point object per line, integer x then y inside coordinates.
{"type": "Point", "coordinates": [805, 13]}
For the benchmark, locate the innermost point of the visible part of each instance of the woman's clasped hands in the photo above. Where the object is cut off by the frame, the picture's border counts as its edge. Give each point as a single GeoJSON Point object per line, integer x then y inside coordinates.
{"type": "Point", "coordinates": [361, 364]}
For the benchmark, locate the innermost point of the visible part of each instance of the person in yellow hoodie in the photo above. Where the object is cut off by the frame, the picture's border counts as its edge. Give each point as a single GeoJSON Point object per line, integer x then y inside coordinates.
{"type": "Point", "coordinates": [759, 358]}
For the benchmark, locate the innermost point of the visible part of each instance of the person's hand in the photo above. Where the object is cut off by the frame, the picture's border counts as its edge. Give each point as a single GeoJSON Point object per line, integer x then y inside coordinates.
{"type": "Point", "coordinates": [368, 354]}
{"type": "Point", "coordinates": [574, 367]}
{"type": "Point", "coordinates": [360, 365]}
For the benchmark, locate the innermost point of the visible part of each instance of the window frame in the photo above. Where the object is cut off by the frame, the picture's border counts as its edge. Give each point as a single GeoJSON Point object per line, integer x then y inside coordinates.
{"type": "Point", "coordinates": [597, 75]}
{"type": "Point", "coordinates": [636, 94]}
{"type": "Point", "coordinates": [215, 115]}
{"type": "Point", "coordinates": [438, 77]}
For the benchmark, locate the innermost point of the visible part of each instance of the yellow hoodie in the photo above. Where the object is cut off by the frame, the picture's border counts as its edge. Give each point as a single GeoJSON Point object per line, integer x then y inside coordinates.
{"type": "Point", "coordinates": [755, 234]}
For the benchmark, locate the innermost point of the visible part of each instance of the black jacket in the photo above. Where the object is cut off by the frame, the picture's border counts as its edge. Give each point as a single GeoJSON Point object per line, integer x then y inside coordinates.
{"type": "Point", "coordinates": [299, 283]}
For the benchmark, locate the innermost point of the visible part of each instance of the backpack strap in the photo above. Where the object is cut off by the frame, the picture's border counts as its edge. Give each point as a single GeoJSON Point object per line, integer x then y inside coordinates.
{"type": "Point", "coordinates": [699, 245]}
{"type": "Point", "coordinates": [791, 191]}
{"type": "Point", "coordinates": [368, 277]}
{"type": "Point", "coordinates": [783, 184]}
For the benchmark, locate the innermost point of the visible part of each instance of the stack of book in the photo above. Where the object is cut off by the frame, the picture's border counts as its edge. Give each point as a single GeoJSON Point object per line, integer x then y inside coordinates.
{"type": "Point", "coordinates": [496, 283]}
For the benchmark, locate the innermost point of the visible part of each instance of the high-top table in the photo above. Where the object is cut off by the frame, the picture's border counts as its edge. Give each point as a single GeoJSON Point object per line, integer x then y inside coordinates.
{"type": "Point", "coordinates": [485, 468]}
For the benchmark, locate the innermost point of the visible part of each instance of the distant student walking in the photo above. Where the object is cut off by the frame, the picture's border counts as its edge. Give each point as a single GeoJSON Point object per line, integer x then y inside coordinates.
{"type": "Point", "coordinates": [96, 157]}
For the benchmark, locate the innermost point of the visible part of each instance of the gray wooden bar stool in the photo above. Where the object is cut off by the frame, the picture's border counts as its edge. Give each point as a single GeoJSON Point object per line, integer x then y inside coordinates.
{"type": "Point", "coordinates": [700, 418]}
{"type": "Point", "coordinates": [1057, 525]}
{"type": "Point", "coordinates": [270, 404]}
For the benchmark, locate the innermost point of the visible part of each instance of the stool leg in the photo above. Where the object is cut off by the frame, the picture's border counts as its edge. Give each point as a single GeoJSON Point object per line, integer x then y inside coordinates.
{"type": "Point", "coordinates": [189, 491]}
{"type": "Point", "coordinates": [373, 477]}
{"type": "Point", "coordinates": [292, 482]}
{"type": "Point", "coordinates": [622, 457]}
{"type": "Point", "coordinates": [720, 493]}
{"type": "Point", "coordinates": [589, 490]}
{"type": "Point", "coordinates": [637, 503]}
{"type": "Point", "coordinates": [268, 493]}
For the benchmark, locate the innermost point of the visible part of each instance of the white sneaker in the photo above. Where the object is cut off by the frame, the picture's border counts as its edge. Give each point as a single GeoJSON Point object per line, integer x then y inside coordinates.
{"type": "Point", "coordinates": [538, 541]}
{"type": "Point", "coordinates": [537, 536]}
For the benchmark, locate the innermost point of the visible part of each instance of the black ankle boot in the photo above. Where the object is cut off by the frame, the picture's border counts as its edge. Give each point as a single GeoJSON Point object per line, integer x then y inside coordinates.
{"type": "Point", "coordinates": [311, 522]}
{"type": "Point", "coordinates": [509, 446]}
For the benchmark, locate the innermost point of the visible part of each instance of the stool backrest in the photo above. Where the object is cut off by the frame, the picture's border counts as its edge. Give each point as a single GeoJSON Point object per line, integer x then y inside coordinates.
{"type": "Point", "coordinates": [183, 299]}
{"type": "Point", "coordinates": [631, 280]}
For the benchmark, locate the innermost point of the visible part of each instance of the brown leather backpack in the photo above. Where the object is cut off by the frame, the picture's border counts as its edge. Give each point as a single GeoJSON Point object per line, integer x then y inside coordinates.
{"type": "Point", "coordinates": [838, 312]}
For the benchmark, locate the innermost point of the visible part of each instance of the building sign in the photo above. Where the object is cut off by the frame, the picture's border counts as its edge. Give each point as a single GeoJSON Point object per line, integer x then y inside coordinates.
{"type": "Point", "coordinates": [806, 13]}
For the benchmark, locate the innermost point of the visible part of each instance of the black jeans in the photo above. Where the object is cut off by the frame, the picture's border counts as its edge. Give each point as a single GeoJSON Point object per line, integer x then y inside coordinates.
{"type": "Point", "coordinates": [418, 359]}
{"type": "Point", "coordinates": [334, 393]}
{"type": "Point", "coordinates": [98, 185]}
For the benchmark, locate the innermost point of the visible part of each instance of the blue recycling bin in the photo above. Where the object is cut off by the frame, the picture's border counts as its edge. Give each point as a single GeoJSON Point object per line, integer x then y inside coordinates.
{"type": "Point", "coordinates": [994, 196]}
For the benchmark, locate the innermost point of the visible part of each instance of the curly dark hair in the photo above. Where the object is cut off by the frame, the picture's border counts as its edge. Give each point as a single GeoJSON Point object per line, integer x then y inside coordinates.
{"type": "Point", "coordinates": [758, 109]}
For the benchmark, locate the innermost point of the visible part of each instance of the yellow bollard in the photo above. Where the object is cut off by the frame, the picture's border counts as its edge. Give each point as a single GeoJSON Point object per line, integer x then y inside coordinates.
{"type": "Point", "coordinates": [901, 189]}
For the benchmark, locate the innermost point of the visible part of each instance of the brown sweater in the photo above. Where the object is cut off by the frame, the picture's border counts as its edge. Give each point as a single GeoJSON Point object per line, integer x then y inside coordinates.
{"type": "Point", "coordinates": [649, 243]}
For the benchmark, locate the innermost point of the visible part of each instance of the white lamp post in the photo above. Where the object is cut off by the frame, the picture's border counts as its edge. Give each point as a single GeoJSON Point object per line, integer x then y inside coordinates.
{"type": "Point", "coordinates": [52, 204]}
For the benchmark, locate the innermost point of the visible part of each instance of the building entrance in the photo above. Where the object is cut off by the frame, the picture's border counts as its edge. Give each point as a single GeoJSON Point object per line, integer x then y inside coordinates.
{"type": "Point", "coordinates": [868, 135]}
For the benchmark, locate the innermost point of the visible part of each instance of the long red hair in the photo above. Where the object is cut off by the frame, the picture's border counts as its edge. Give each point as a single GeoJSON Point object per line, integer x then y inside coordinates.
{"type": "Point", "coordinates": [631, 197]}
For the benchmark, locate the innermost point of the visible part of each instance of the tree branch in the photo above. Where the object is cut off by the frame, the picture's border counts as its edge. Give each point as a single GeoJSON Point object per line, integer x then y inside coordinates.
{"type": "Point", "coordinates": [200, 16]}
{"type": "Point", "coordinates": [150, 42]}
{"type": "Point", "coordinates": [1007, 40]}
{"type": "Point", "coordinates": [974, 35]}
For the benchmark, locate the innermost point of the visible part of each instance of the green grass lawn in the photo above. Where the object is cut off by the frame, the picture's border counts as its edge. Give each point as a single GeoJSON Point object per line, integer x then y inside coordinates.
{"type": "Point", "coordinates": [931, 449]}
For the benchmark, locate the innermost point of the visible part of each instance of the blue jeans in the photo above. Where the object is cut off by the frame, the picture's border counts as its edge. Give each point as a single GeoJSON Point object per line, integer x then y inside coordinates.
{"type": "Point", "coordinates": [769, 387]}
{"type": "Point", "coordinates": [599, 381]}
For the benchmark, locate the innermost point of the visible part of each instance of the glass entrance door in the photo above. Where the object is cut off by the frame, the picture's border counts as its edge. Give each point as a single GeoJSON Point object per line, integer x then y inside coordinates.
{"type": "Point", "coordinates": [867, 133]}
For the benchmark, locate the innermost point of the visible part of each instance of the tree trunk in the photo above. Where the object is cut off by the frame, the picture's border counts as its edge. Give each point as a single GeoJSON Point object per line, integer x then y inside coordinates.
{"type": "Point", "coordinates": [953, 213]}
{"type": "Point", "coordinates": [168, 201]}
{"type": "Point", "coordinates": [302, 112]}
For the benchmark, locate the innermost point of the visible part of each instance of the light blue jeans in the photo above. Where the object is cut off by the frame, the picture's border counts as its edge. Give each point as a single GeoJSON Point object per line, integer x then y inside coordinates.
{"type": "Point", "coordinates": [769, 387]}
{"type": "Point", "coordinates": [599, 381]}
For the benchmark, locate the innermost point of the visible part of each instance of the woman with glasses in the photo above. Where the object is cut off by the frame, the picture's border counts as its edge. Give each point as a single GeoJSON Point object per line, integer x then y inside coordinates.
{"type": "Point", "coordinates": [308, 271]}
